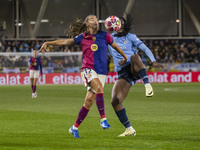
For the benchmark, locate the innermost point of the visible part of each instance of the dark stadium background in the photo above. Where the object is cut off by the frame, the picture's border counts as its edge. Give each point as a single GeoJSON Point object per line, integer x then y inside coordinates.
{"type": "Point", "coordinates": [170, 28]}
{"type": "Point", "coordinates": [152, 18]}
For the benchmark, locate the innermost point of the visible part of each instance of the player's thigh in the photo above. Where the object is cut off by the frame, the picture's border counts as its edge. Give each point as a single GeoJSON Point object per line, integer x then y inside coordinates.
{"type": "Point", "coordinates": [136, 63]}
{"type": "Point", "coordinates": [31, 74]}
{"type": "Point", "coordinates": [93, 81]}
{"type": "Point", "coordinates": [36, 74]}
{"type": "Point", "coordinates": [102, 79]}
{"type": "Point", "coordinates": [120, 91]}
{"type": "Point", "coordinates": [87, 76]}
{"type": "Point", "coordinates": [35, 80]}
{"type": "Point", "coordinates": [96, 85]}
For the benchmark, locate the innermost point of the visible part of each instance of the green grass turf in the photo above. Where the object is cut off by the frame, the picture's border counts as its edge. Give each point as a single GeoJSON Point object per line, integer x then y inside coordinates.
{"type": "Point", "coordinates": [168, 120]}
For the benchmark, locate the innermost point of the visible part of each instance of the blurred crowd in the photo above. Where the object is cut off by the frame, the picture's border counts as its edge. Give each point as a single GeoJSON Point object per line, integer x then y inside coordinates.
{"type": "Point", "coordinates": [165, 51]}
{"type": "Point", "coordinates": [30, 45]}
{"type": "Point", "coordinates": [174, 51]}
{"type": "Point", "coordinates": [53, 64]}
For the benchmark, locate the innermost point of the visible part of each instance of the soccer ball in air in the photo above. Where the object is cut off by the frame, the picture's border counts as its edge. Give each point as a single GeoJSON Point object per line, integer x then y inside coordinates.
{"type": "Point", "coordinates": [112, 23]}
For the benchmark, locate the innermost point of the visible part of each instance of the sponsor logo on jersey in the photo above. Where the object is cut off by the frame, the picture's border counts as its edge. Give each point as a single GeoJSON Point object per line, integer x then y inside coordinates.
{"type": "Point", "coordinates": [94, 38]}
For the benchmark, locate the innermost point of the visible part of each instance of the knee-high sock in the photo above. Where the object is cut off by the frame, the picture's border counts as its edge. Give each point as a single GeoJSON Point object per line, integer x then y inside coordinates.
{"type": "Point", "coordinates": [143, 75]}
{"type": "Point", "coordinates": [121, 114]}
{"type": "Point", "coordinates": [34, 88]}
{"type": "Point", "coordinates": [100, 105]}
{"type": "Point", "coordinates": [81, 116]}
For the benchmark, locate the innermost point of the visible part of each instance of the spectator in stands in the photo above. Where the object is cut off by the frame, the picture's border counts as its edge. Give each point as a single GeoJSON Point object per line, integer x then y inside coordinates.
{"type": "Point", "coordinates": [26, 47]}
{"type": "Point", "coordinates": [21, 49]}
{"type": "Point", "coordinates": [183, 49]}
{"type": "Point", "coordinates": [37, 45]}
{"type": "Point", "coordinates": [1, 46]}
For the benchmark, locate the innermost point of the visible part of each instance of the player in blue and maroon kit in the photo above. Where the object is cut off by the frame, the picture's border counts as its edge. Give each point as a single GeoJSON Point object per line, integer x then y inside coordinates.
{"type": "Point", "coordinates": [94, 44]}
{"type": "Point", "coordinates": [35, 65]}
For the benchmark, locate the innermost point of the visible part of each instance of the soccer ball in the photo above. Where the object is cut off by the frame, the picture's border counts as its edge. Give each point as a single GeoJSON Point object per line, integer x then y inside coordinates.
{"type": "Point", "coordinates": [112, 23]}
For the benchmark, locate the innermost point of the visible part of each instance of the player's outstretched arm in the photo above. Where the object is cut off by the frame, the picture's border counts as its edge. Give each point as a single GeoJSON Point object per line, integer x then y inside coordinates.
{"type": "Point", "coordinates": [56, 43]}
{"type": "Point", "coordinates": [119, 50]}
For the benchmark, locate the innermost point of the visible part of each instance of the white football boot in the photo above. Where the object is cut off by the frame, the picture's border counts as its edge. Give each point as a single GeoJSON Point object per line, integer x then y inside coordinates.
{"type": "Point", "coordinates": [149, 90]}
{"type": "Point", "coordinates": [35, 95]}
{"type": "Point", "coordinates": [128, 132]}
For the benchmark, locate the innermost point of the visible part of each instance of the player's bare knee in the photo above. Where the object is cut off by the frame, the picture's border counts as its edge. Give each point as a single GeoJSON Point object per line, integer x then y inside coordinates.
{"type": "Point", "coordinates": [99, 89]}
{"type": "Point", "coordinates": [115, 101]}
{"type": "Point", "coordinates": [89, 102]}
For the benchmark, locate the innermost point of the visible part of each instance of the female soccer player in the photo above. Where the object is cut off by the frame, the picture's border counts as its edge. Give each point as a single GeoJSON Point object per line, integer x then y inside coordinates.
{"type": "Point", "coordinates": [133, 70]}
{"type": "Point", "coordinates": [94, 44]}
{"type": "Point", "coordinates": [35, 64]}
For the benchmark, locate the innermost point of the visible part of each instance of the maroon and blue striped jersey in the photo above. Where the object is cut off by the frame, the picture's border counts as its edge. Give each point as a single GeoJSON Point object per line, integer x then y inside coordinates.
{"type": "Point", "coordinates": [35, 64]}
{"type": "Point", "coordinates": [94, 50]}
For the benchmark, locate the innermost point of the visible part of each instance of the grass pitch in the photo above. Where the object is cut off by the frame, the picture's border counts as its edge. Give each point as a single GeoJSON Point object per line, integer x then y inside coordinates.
{"type": "Point", "coordinates": [168, 120]}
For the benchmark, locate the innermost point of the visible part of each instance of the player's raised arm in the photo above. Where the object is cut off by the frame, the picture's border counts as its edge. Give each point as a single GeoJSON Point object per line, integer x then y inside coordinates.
{"type": "Point", "coordinates": [148, 52]}
{"type": "Point", "coordinates": [119, 50]}
{"type": "Point", "coordinates": [56, 43]}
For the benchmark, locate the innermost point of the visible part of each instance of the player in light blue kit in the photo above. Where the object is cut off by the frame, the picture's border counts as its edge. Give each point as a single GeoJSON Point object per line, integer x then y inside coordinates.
{"type": "Point", "coordinates": [129, 73]}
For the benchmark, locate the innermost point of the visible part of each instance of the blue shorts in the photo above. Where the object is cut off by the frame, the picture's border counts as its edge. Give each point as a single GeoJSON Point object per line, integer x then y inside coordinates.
{"type": "Point", "coordinates": [126, 74]}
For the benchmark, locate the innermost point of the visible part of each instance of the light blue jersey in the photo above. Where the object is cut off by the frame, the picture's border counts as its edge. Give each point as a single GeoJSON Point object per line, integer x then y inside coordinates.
{"type": "Point", "coordinates": [129, 45]}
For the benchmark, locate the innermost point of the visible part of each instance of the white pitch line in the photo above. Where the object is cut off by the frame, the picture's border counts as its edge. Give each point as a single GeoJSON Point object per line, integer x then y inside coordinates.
{"type": "Point", "coordinates": [181, 90]}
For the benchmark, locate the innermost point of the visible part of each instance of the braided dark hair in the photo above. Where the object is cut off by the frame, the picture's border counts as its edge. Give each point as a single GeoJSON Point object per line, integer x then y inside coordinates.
{"type": "Point", "coordinates": [127, 25]}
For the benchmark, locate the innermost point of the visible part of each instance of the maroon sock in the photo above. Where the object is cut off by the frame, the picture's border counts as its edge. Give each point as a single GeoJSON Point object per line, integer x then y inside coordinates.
{"type": "Point", "coordinates": [34, 88]}
{"type": "Point", "coordinates": [100, 105]}
{"type": "Point", "coordinates": [81, 116]}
